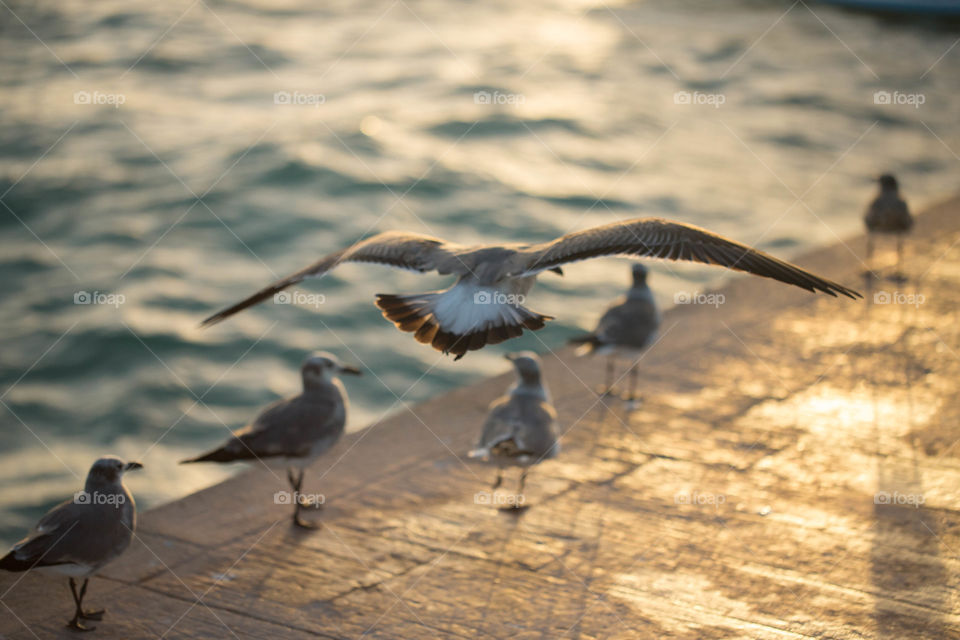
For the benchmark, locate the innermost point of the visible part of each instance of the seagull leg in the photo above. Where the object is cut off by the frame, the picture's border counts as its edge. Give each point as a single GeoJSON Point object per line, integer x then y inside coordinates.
{"type": "Point", "coordinates": [300, 522]}
{"type": "Point", "coordinates": [632, 394]}
{"type": "Point", "coordinates": [898, 276]}
{"type": "Point", "coordinates": [75, 623]}
{"type": "Point", "coordinates": [607, 388]}
{"type": "Point", "coordinates": [92, 614]}
{"type": "Point", "coordinates": [499, 480]}
{"type": "Point", "coordinates": [296, 482]}
{"type": "Point", "coordinates": [311, 503]}
{"type": "Point", "coordinates": [519, 504]}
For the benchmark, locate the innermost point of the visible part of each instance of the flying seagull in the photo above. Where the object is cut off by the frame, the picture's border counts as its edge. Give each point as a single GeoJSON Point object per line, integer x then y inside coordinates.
{"type": "Point", "coordinates": [486, 304]}
{"type": "Point", "coordinates": [521, 427]}
{"type": "Point", "coordinates": [79, 536]}
{"type": "Point", "coordinates": [887, 214]}
{"type": "Point", "coordinates": [625, 330]}
{"type": "Point", "coordinates": [293, 432]}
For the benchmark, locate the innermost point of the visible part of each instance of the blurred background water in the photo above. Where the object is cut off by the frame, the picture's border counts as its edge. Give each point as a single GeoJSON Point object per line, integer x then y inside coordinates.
{"type": "Point", "coordinates": [168, 158]}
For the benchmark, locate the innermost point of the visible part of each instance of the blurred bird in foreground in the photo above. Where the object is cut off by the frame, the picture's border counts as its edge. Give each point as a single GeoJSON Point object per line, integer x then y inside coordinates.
{"type": "Point", "coordinates": [293, 432]}
{"type": "Point", "coordinates": [625, 331]}
{"type": "Point", "coordinates": [81, 535]}
{"type": "Point", "coordinates": [888, 214]}
{"type": "Point", "coordinates": [486, 303]}
{"type": "Point", "coordinates": [521, 427]}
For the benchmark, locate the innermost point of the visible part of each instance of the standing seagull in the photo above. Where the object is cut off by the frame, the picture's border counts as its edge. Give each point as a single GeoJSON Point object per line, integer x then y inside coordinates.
{"type": "Point", "coordinates": [485, 305]}
{"type": "Point", "coordinates": [521, 428]}
{"type": "Point", "coordinates": [294, 431]}
{"type": "Point", "coordinates": [627, 328]}
{"type": "Point", "coordinates": [79, 536]}
{"type": "Point", "coordinates": [888, 214]}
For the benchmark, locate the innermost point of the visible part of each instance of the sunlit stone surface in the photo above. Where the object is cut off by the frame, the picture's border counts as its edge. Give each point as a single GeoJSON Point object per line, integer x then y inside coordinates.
{"type": "Point", "coordinates": [791, 472]}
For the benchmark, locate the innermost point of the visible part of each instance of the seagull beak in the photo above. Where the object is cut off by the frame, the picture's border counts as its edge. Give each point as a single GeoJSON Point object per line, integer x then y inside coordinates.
{"type": "Point", "coordinates": [557, 270]}
{"type": "Point", "coordinates": [132, 465]}
{"type": "Point", "coordinates": [351, 370]}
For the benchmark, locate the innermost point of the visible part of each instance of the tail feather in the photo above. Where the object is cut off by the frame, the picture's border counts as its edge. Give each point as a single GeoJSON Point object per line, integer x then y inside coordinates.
{"type": "Point", "coordinates": [219, 455]}
{"type": "Point", "coordinates": [10, 562]}
{"type": "Point", "coordinates": [509, 448]}
{"type": "Point", "coordinates": [416, 314]}
{"type": "Point", "coordinates": [30, 554]}
{"type": "Point", "coordinates": [589, 342]}
{"type": "Point", "coordinates": [426, 333]}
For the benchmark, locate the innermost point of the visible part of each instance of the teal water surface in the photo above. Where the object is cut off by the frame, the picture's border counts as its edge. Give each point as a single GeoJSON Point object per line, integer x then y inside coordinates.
{"type": "Point", "coordinates": [167, 158]}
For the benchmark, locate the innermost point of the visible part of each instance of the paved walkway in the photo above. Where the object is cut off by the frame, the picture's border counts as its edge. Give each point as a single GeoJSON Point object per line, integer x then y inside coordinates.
{"type": "Point", "coordinates": [793, 472]}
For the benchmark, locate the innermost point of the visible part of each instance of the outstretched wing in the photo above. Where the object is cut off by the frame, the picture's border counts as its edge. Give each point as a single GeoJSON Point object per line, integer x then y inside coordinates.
{"type": "Point", "coordinates": [658, 238]}
{"type": "Point", "coordinates": [392, 248]}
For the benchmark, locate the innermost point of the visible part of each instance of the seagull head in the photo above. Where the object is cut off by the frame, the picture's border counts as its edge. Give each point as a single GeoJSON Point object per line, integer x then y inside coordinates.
{"type": "Point", "coordinates": [887, 182]}
{"type": "Point", "coordinates": [640, 272]}
{"type": "Point", "coordinates": [324, 367]}
{"type": "Point", "coordinates": [527, 365]}
{"type": "Point", "coordinates": [109, 470]}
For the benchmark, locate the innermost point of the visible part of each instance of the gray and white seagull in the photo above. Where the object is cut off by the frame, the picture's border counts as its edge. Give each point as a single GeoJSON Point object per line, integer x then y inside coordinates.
{"type": "Point", "coordinates": [887, 214]}
{"type": "Point", "coordinates": [81, 535]}
{"type": "Point", "coordinates": [485, 304]}
{"type": "Point", "coordinates": [521, 426]}
{"type": "Point", "coordinates": [294, 431]}
{"type": "Point", "coordinates": [626, 329]}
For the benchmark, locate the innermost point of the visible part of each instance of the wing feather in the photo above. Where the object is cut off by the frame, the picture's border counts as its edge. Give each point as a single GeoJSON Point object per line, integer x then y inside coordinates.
{"type": "Point", "coordinates": [401, 250]}
{"type": "Point", "coordinates": [658, 238]}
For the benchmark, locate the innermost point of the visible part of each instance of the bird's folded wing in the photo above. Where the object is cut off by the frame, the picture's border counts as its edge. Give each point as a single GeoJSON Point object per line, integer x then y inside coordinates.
{"type": "Point", "coordinates": [392, 248]}
{"type": "Point", "coordinates": [291, 428]}
{"type": "Point", "coordinates": [630, 323]}
{"type": "Point", "coordinates": [657, 238]}
{"type": "Point", "coordinates": [50, 531]}
{"type": "Point", "coordinates": [59, 518]}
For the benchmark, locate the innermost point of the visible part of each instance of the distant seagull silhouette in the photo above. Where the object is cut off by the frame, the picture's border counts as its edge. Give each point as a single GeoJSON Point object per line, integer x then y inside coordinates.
{"type": "Point", "coordinates": [626, 330]}
{"type": "Point", "coordinates": [485, 305]}
{"type": "Point", "coordinates": [79, 536]}
{"type": "Point", "coordinates": [521, 427]}
{"type": "Point", "coordinates": [887, 214]}
{"type": "Point", "coordinates": [294, 432]}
